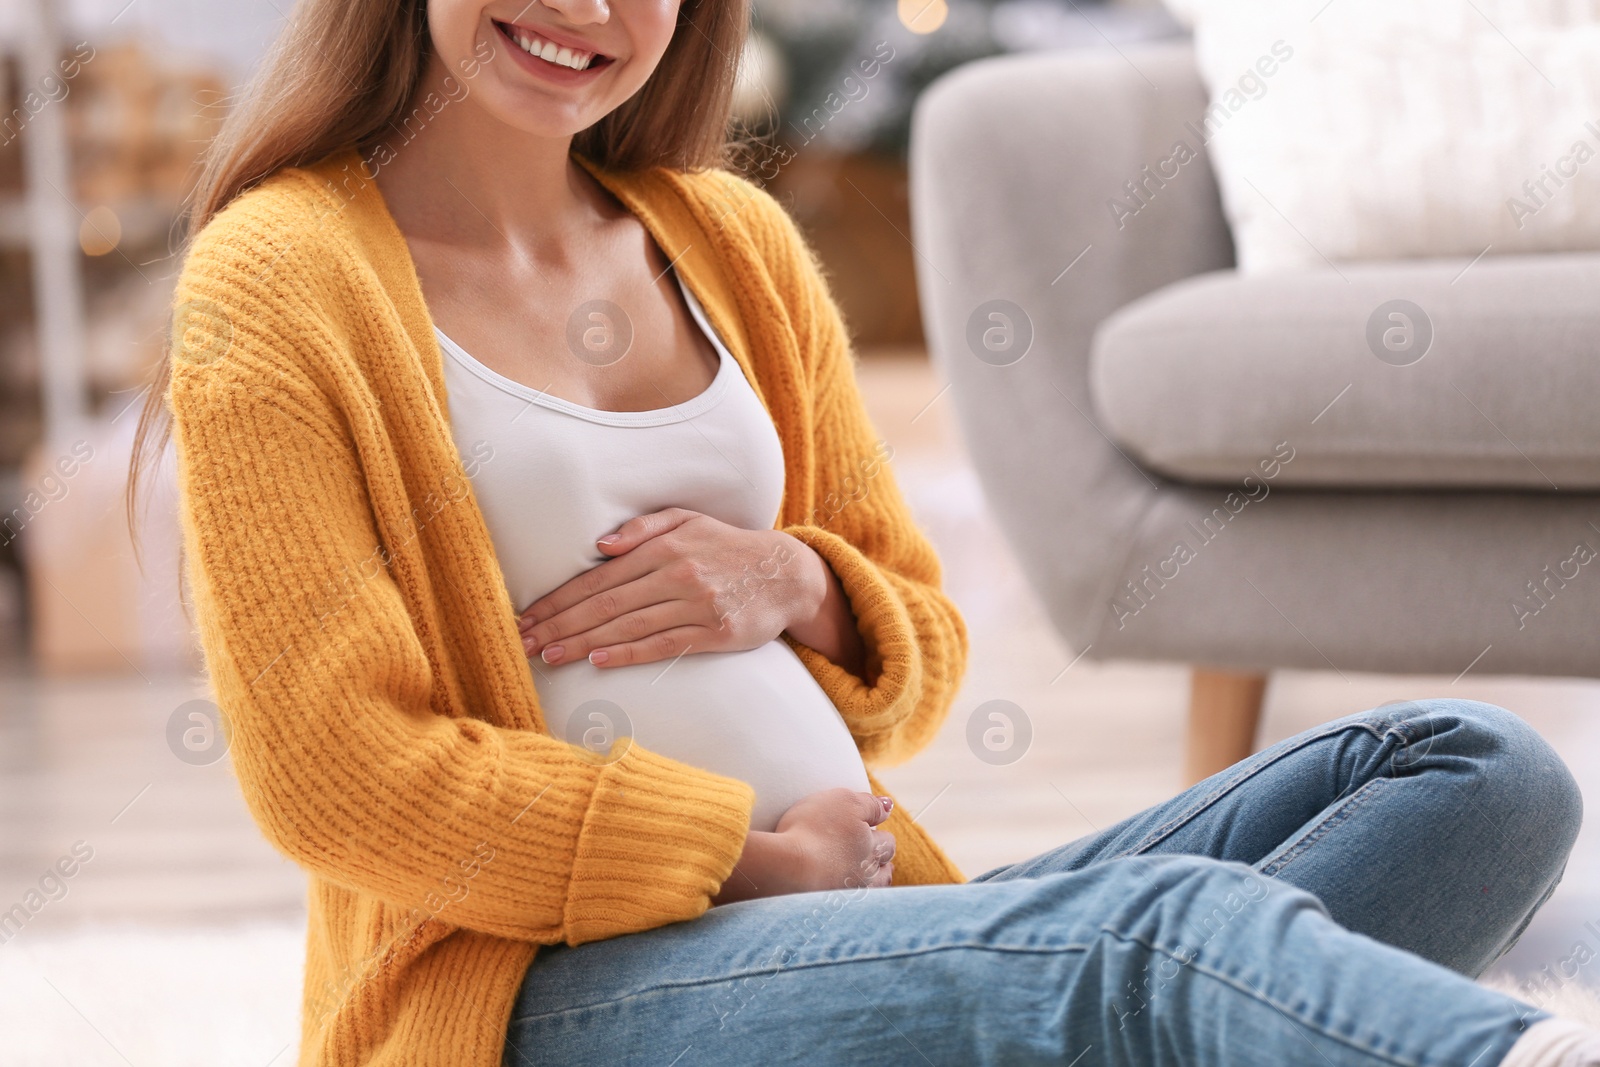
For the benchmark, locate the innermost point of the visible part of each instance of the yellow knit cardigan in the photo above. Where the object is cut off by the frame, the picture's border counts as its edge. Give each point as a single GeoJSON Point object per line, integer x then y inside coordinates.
{"type": "Point", "coordinates": [382, 719]}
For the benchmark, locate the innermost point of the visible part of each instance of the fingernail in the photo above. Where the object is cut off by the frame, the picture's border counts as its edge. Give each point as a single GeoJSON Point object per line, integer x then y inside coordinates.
{"type": "Point", "coordinates": [609, 539]}
{"type": "Point", "coordinates": [528, 644]}
{"type": "Point", "coordinates": [599, 656]}
{"type": "Point", "coordinates": [888, 804]}
{"type": "Point", "coordinates": [552, 654]}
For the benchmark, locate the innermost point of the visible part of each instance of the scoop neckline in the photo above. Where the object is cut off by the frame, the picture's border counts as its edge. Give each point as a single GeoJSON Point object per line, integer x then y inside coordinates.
{"type": "Point", "coordinates": [673, 413]}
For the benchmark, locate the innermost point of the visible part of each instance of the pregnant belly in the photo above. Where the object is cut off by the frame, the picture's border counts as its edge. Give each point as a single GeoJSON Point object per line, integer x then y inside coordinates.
{"type": "Point", "coordinates": [757, 716]}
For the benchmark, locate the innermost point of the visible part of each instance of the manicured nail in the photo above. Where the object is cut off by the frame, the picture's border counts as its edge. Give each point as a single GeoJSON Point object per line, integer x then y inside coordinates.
{"type": "Point", "coordinates": [609, 539]}
{"type": "Point", "coordinates": [888, 804]}
{"type": "Point", "coordinates": [528, 644]}
{"type": "Point", "coordinates": [552, 654]}
{"type": "Point", "coordinates": [599, 656]}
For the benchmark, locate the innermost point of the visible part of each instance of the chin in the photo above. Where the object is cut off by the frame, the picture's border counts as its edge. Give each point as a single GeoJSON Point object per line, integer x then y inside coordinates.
{"type": "Point", "coordinates": [548, 124]}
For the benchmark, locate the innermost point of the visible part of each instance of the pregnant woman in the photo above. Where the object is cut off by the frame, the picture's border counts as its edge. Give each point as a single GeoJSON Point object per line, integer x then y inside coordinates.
{"type": "Point", "coordinates": [558, 597]}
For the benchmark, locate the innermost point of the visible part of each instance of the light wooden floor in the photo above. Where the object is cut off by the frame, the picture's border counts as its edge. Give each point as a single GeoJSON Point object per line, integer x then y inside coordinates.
{"type": "Point", "coordinates": [86, 759]}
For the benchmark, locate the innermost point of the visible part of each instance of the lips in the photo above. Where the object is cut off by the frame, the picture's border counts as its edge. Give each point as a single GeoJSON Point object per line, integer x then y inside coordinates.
{"type": "Point", "coordinates": [558, 50]}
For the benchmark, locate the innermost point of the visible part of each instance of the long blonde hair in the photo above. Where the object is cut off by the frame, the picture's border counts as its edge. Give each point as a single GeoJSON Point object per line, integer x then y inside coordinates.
{"type": "Point", "coordinates": [343, 74]}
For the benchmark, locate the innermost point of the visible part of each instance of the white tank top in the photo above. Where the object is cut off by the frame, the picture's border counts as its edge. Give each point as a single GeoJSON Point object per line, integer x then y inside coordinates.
{"type": "Point", "coordinates": [559, 475]}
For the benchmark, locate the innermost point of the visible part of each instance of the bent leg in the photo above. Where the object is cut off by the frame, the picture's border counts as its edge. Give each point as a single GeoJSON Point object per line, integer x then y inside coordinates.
{"type": "Point", "coordinates": [1439, 826]}
{"type": "Point", "coordinates": [1144, 961]}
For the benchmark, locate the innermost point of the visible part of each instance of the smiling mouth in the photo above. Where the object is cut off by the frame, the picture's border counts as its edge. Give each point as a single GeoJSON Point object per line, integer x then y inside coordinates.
{"type": "Point", "coordinates": [549, 51]}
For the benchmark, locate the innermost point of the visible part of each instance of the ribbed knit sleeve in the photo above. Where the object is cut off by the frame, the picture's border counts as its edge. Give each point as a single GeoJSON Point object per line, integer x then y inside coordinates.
{"type": "Point", "coordinates": [916, 641]}
{"type": "Point", "coordinates": [341, 729]}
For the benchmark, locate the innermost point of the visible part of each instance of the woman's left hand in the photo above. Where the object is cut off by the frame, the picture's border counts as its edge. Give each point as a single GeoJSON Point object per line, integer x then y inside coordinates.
{"type": "Point", "coordinates": [679, 581]}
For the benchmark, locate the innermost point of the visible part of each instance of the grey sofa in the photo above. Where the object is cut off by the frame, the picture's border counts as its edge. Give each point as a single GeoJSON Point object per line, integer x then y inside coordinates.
{"type": "Point", "coordinates": [1357, 485]}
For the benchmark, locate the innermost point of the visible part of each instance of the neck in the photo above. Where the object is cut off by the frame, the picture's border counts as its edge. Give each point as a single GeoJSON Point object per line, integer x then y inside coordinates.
{"type": "Point", "coordinates": [459, 176]}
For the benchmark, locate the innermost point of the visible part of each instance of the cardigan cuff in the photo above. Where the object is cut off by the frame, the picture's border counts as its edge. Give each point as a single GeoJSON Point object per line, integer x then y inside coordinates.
{"type": "Point", "coordinates": [659, 839]}
{"type": "Point", "coordinates": [872, 705]}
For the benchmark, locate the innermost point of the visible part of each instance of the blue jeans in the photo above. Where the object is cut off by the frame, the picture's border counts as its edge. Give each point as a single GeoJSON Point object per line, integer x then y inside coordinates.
{"type": "Point", "coordinates": [1320, 903]}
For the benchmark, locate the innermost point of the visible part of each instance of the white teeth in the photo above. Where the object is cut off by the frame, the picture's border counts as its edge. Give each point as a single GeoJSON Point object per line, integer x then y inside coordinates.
{"type": "Point", "coordinates": [553, 53]}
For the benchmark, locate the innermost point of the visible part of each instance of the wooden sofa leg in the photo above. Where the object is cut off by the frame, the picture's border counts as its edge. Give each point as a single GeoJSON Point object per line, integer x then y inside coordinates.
{"type": "Point", "coordinates": [1224, 711]}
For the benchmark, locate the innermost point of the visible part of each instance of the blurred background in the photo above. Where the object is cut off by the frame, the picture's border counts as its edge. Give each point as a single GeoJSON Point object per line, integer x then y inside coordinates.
{"type": "Point", "coordinates": [177, 937]}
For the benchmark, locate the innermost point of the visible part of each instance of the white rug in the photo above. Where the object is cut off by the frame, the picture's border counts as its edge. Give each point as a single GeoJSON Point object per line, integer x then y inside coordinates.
{"type": "Point", "coordinates": [1572, 1000]}
{"type": "Point", "coordinates": [152, 997]}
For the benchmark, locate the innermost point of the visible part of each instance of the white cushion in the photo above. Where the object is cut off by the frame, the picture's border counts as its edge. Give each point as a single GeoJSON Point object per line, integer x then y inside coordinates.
{"type": "Point", "coordinates": [1382, 129]}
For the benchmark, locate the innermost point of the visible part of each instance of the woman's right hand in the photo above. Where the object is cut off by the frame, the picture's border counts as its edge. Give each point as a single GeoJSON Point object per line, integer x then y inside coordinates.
{"type": "Point", "coordinates": [828, 840]}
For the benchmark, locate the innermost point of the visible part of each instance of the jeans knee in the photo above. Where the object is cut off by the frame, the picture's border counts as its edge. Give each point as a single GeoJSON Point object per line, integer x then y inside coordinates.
{"type": "Point", "coordinates": [1189, 903]}
{"type": "Point", "coordinates": [1519, 774]}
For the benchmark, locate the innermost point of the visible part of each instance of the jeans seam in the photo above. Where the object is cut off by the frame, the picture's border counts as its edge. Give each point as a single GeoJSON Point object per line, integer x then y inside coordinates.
{"type": "Point", "coordinates": [1286, 855]}
{"type": "Point", "coordinates": [1155, 836]}
{"type": "Point", "coordinates": [871, 957]}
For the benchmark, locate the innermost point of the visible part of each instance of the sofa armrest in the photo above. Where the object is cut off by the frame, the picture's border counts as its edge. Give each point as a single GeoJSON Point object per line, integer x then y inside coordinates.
{"type": "Point", "coordinates": [1018, 164]}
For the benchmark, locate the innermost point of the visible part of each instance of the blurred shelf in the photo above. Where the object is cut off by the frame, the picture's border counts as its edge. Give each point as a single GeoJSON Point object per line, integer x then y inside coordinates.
{"type": "Point", "coordinates": [144, 219]}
